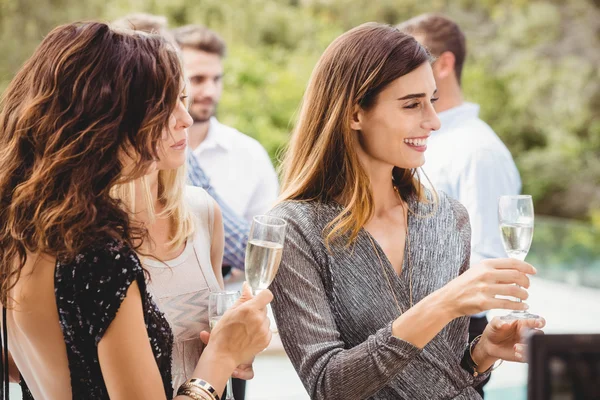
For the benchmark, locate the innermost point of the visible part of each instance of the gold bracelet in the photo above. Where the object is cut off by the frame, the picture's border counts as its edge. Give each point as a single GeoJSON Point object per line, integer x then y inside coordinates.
{"type": "Point", "coordinates": [193, 394]}
{"type": "Point", "coordinates": [200, 385]}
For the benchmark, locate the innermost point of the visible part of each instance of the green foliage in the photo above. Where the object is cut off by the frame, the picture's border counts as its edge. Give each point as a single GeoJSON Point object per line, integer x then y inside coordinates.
{"type": "Point", "coordinates": [566, 251]}
{"type": "Point", "coordinates": [532, 65]}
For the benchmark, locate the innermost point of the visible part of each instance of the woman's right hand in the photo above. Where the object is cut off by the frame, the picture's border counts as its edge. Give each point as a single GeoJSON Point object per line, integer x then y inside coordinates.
{"type": "Point", "coordinates": [475, 290]}
{"type": "Point", "coordinates": [244, 330]}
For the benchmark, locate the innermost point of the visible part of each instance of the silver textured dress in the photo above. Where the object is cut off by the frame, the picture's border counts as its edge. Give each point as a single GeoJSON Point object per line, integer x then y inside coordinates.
{"type": "Point", "coordinates": [334, 310]}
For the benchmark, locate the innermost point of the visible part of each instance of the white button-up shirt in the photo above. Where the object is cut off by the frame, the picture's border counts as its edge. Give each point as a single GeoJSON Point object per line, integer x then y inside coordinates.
{"type": "Point", "coordinates": [239, 170]}
{"type": "Point", "coordinates": [469, 162]}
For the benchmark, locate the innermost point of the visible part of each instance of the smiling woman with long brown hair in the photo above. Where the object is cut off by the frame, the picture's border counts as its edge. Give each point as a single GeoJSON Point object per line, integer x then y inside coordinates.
{"type": "Point", "coordinates": [374, 286]}
{"type": "Point", "coordinates": [86, 112]}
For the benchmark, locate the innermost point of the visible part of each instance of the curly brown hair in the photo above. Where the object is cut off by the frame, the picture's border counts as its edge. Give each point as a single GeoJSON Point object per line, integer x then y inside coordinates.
{"type": "Point", "coordinates": [89, 97]}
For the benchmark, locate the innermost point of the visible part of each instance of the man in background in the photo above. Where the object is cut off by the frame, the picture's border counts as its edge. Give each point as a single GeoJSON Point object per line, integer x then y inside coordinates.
{"type": "Point", "coordinates": [238, 167]}
{"type": "Point", "coordinates": [465, 158]}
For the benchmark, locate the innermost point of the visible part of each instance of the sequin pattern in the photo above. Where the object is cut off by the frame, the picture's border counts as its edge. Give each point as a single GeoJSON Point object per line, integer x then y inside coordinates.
{"type": "Point", "coordinates": [89, 292]}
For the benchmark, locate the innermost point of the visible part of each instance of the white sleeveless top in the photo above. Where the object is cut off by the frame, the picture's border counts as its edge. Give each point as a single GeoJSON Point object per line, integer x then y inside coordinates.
{"type": "Point", "coordinates": [181, 287]}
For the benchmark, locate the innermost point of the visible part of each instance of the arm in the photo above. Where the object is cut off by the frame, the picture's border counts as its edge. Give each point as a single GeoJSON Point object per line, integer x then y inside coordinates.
{"type": "Point", "coordinates": [236, 228]}
{"type": "Point", "coordinates": [485, 177]}
{"type": "Point", "coordinates": [127, 361]}
{"type": "Point", "coordinates": [309, 332]}
{"type": "Point", "coordinates": [217, 244]}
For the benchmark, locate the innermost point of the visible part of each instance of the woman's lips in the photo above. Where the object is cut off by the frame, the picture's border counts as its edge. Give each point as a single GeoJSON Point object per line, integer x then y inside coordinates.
{"type": "Point", "coordinates": [181, 145]}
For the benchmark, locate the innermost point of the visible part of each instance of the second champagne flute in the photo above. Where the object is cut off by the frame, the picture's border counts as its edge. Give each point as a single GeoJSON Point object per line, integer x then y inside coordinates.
{"type": "Point", "coordinates": [218, 304]}
{"type": "Point", "coordinates": [263, 253]}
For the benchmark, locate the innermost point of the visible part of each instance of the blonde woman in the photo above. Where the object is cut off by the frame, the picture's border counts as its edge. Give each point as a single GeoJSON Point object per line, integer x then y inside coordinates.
{"type": "Point", "coordinates": [183, 251]}
{"type": "Point", "coordinates": [374, 285]}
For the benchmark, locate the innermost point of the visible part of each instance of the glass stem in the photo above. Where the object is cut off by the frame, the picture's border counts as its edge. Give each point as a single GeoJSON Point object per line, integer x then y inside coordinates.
{"type": "Point", "coordinates": [230, 390]}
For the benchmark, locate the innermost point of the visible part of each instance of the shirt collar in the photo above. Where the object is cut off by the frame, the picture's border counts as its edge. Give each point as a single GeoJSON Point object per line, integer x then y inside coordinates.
{"type": "Point", "coordinates": [216, 137]}
{"type": "Point", "coordinates": [457, 115]}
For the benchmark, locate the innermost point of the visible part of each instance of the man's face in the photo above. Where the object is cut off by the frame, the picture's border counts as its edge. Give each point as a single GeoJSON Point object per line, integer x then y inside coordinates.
{"type": "Point", "coordinates": [205, 73]}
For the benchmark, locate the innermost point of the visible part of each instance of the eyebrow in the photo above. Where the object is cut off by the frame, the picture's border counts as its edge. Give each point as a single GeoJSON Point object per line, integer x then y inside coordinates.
{"type": "Point", "coordinates": [415, 95]}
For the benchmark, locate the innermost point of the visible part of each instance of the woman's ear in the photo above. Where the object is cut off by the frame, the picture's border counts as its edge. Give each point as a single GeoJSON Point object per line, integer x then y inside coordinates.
{"type": "Point", "coordinates": [356, 118]}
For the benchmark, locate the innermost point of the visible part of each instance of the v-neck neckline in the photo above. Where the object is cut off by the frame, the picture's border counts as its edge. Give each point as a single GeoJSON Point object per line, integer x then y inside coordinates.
{"type": "Point", "coordinates": [384, 257]}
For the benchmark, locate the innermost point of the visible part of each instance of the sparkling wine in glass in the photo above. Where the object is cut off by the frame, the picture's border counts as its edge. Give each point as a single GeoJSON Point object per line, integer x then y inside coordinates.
{"type": "Point", "coordinates": [218, 304]}
{"type": "Point", "coordinates": [263, 253]}
{"type": "Point", "coordinates": [516, 216]}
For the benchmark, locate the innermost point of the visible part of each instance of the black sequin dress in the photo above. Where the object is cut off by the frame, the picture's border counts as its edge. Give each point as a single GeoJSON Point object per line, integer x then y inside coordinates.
{"type": "Point", "coordinates": [89, 292]}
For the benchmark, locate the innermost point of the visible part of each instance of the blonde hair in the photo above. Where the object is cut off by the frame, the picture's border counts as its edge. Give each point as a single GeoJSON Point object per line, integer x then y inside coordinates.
{"type": "Point", "coordinates": [321, 162]}
{"type": "Point", "coordinates": [148, 23]}
{"type": "Point", "coordinates": [171, 194]}
{"type": "Point", "coordinates": [144, 22]}
{"type": "Point", "coordinates": [171, 183]}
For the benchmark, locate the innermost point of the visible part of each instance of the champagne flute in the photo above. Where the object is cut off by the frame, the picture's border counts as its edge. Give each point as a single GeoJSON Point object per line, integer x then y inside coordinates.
{"type": "Point", "coordinates": [263, 253]}
{"type": "Point", "coordinates": [218, 304]}
{"type": "Point", "coordinates": [516, 216]}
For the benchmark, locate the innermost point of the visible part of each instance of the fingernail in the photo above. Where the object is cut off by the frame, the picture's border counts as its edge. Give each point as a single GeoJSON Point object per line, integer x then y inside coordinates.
{"type": "Point", "coordinates": [519, 356]}
{"type": "Point", "coordinates": [235, 373]}
{"type": "Point", "coordinates": [534, 269]}
{"type": "Point", "coordinates": [526, 306]}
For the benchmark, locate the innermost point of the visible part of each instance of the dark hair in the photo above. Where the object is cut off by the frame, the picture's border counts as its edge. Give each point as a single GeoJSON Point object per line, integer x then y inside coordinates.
{"type": "Point", "coordinates": [198, 37]}
{"type": "Point", "coordinates": [321, 162]}
{"type": "Point", "coordinates": [89, 96]}
{"type": "Point", "coordinates": [440, 34]}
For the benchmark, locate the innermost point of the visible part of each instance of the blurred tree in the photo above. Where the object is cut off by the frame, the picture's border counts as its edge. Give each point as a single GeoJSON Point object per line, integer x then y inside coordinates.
{"type": "Point", "coordinates": [534, 66]}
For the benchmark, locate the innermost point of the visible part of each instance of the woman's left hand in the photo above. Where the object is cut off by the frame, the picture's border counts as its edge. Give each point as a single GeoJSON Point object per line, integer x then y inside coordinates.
{"type": "Point", "coordinates": [505, 339]}
{"type": "Point", "coordinates": [243, 371]}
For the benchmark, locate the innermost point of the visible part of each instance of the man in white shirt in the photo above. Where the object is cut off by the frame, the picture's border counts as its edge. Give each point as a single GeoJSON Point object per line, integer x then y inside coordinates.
{"type": "Point", "coordinates": [238, 167]}
{"type": "Point", "coordinates": [465, 158]}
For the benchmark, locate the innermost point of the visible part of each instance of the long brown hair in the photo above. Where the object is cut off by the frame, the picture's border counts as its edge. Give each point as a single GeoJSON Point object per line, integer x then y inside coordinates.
{"type": "Point", "coordinates": [89, 97]}
{"type": "Point", "coordinates": [321, 162]}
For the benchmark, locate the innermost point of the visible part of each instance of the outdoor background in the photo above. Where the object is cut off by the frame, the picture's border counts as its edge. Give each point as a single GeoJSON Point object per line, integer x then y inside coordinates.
{"type": "Point", "coordinates": [533, 66]}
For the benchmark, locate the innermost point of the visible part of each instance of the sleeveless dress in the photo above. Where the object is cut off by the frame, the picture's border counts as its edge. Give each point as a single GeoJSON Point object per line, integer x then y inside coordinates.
{"type": "Point", "coordinates": [89, 291]}
{"type": "Point", "coordinates": [181, 287]}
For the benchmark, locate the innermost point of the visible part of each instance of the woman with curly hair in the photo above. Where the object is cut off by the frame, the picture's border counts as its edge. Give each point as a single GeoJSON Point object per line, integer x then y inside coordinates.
{"type": "Point", "coordinates": [86, 112]}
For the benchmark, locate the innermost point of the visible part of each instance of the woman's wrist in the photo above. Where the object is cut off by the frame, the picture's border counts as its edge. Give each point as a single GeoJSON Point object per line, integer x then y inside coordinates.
{"type": "Point", "coordinates": [215, 366]}
{"type": "Point", "coordinates": [430, 314]}
{"type": "Point", "coordinates": [443, 306]}
{"type": "Point", "coordinates": [481, 355]}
